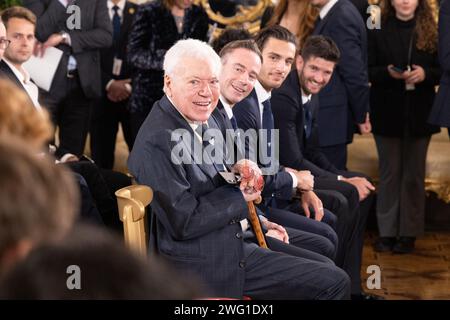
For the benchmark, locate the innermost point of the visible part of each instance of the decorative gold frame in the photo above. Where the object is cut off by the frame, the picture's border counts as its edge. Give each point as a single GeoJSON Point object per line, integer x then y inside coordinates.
{"type": "Point", "coordinates": [245, 17]}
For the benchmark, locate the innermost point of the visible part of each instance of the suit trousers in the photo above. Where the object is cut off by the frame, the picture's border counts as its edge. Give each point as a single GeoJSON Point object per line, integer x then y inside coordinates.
{"type": "Point", "coordinates": [401, 192]}
{"type": "Point", "coordinates": [352, 219]}
{"type": "Point", "coordinates": [106, 117]}
{"type": "Point", "coordinates": [71, 112]}
{"type": "Point", "coordinates": [275, 275]}
{"type": "Point", "coordinates": [315, 236]}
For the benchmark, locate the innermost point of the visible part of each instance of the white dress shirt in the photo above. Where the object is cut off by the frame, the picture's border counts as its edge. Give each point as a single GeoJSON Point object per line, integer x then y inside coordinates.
{"type": "Point", "coordinates": [120, 4]}
{"type": "Point", "coordinates": [24, 77]}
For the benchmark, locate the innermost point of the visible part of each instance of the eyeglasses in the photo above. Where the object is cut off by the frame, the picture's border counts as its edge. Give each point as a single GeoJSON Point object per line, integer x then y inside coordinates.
{"type": "Point", "coordinates": [4, 43]}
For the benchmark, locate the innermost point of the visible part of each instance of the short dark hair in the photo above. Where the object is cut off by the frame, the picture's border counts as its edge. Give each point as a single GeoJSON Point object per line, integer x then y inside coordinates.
{"type": "Point", "coordinates": [240, 44]}
{"type": "Point", "coordinates": [274, 31]}
{"type": "Point", "coordinates": [18, 12]}
{"type": "Point", "coordinates": [228, 35]}
{"type": "Point", "coordinates": [320, 47]}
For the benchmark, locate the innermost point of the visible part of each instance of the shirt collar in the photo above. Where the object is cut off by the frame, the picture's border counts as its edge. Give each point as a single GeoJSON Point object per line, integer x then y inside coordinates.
{"type": "Point", "coordinates": [261, 93]}
{"type": "Point", "coordinates": [22, 75]}
{"type": "Point", "coordinates": [326, 8]}
{"type": "Point", "coordinates": [227, 107]}
{"type": "Point", "coordinates": [120, 4]}
{"type": "Point", "coordinates": [306, 98]}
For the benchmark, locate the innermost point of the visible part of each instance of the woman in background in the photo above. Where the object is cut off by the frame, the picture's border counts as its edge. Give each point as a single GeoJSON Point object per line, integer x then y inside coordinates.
{"type": "Point", "coordinates": [298, 16]}
{"type": "Point", "coordinates": [403, 70]}
{"type": "Point", "coordinates": [156, 27]}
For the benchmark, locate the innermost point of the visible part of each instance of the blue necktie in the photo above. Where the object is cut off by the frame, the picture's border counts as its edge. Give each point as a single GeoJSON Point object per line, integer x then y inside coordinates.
{"type": "Point", "coordinates": [234, 123]}
{"type": "Point", "coordinates": [116, 24]}
{"type": "Point", "coordinates": [220, 167]}
{"type": "Point", "coordinates": [268, 123]}
{"type": "Point", "coordinates": [308, 118]}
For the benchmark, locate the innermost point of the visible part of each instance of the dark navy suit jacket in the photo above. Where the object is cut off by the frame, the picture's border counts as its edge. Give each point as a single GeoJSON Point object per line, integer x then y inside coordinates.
{"type": "Point", "coordinates": [248, 116]}
{"type": "Point", "coordinates": [440, 114]}
{"type": "Point", "coordinates": [344, 101]}
{"type": "Point", "coordinates": [295, 151]}
{"type": "Point", "coordinates": [196, 212]}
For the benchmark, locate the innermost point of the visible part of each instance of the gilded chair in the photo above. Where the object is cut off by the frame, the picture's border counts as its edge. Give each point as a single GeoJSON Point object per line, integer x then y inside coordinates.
{"type": "Point", "coordinates": [132, 201]}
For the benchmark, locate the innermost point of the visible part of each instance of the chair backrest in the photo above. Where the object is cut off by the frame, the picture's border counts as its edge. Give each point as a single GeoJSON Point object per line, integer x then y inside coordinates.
{"type": "Point", "coordinates": [132, 201]}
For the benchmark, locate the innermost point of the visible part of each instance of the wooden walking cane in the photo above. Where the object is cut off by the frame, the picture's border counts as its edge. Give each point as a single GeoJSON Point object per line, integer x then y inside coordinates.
{"type": "Point", "coordinates": [256, 224]}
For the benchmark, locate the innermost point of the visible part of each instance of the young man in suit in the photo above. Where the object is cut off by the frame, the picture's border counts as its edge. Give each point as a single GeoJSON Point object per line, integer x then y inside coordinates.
{"type": "Point", "coordinates": [237, 80]}
{"type": "Point", "coordinates": [241, 62]}
{"type": "Point", "coordinates": [440, 114]}
{"type": "Point", "coordinates": [77, 80]}
{"type": "Point", "coordinates": [20, 26]}
{"type": "Point", "coordinates": [196, 213]}
{"type": "Point", "coordinates": [116, 88]}
{"type": "Point", "coordinates": [344, 102]}
{"type": "Point", "coordinates": [295, 109]}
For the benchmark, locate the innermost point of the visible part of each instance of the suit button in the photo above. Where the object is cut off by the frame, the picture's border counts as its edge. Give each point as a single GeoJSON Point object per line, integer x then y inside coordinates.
{"type": "Point", "coordinates": [242, 264]}
{"type": "Point", "coordinates": [233, 221]}
{"type": "Point", "coordinates": [238, 235]}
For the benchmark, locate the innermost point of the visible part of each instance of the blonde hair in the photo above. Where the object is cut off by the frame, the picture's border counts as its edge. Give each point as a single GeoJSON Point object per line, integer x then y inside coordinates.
{"type": "Point", "coordinates": [19, 118]}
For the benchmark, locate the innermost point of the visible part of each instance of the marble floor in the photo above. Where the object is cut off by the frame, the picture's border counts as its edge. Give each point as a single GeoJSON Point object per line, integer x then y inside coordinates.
{"type": "Point", "coordinates": [424, 274]}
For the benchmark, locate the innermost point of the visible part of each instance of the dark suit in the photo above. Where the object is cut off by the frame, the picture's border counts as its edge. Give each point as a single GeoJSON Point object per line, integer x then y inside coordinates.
{"type": "Point", "coordinates": [197, 222]}
{"type": "Point", "coordinates": [69, 98]}
{"type": "Point", "coordinates": [308, 234]}
{"type": "Point", "coordinates": [107, 114]}
{"type": "Point", "coordinates": [302, 153]}
{"type": "Point", "coordinates": [344, 101]}
{"type": "Point", "coordinates": [440, 114]}
{"type": "Point", "coordinates": [277, 193]}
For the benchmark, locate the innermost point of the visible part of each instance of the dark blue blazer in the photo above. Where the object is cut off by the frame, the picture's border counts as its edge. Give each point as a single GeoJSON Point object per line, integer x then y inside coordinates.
{"type": "Point", "coordinates": [440, 113]}
{"type": "Point", "coordinates": [248, 116]}
{"type": "Point", "coordinates": [295, 150]}
{"type": "Point", "coordinates": [344, 101]}
{"type": "Point", "coordinates": [196, 212]}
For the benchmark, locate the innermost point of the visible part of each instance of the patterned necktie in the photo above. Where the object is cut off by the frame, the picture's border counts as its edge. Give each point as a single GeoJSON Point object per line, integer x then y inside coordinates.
{"type": "Point", "coordinates": [116, 24]}
{"type": "Point", "coordinates": [308, 118]}
{"type": "Point", "coordinates": [268, 123]}
{"type": "Point", "coordinates": [201, 131]}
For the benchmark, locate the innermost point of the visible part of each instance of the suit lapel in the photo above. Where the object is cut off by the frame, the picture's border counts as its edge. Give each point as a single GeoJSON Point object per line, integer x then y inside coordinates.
{"type": "Point", "coordinates": [321, 25]}
{"type": "Point", "coordinates": [128, 14]}
{"type": "Point", "coordinates": [255, 103]}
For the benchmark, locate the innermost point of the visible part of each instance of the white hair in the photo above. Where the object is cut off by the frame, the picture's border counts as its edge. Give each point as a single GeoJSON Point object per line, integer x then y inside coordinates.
{"type": "Point", "coordinates": [190, 48]}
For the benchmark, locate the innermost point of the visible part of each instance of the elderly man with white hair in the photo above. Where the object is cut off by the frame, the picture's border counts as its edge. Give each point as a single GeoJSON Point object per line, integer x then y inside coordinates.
{"type": "Point", "coordinates": [195, 213]}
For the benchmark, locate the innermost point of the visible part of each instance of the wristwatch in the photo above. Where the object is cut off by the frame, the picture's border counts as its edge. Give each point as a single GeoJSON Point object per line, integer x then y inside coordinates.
{"type": "Point", "coordinates": [64, 36]}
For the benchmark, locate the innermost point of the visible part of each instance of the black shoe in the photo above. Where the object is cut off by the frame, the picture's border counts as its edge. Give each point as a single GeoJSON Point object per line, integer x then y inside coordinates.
{"type": "Point", "coordinates": [365, 297]}
{"type": "Point", "coordinates": [404, 245]}
{"type": "Point", "coordinates": [384, 244]}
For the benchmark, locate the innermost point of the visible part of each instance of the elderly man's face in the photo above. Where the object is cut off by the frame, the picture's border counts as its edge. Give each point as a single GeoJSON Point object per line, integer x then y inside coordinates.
{"type": "Point", "coordinates": [240, 70]}
{"type": "Point", "coordinates": [2, 38]}
{"type": "Point", "coordinates": [194, 89]}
